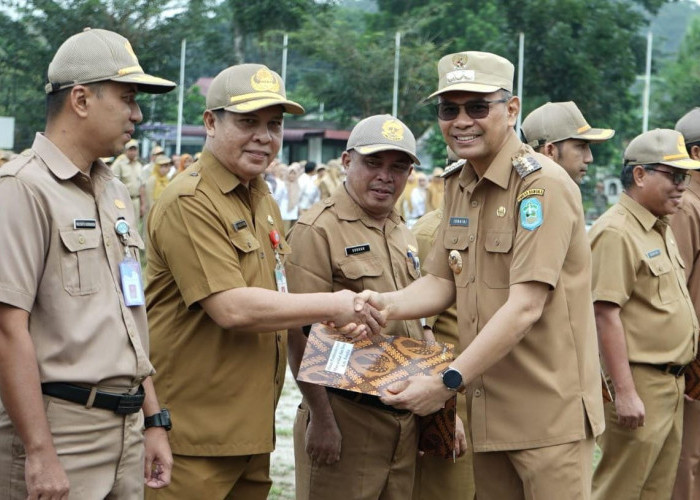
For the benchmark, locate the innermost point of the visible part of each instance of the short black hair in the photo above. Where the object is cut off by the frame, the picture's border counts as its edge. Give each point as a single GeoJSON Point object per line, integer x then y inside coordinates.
{"type": "Point", "coordinates": [309, 167]}
{"type": "Point", "coordinates": [626, 175]}
{"type": "Point", "coordinates": [56, 100]}
{"type": "Point", "coordinates": [689, 146]}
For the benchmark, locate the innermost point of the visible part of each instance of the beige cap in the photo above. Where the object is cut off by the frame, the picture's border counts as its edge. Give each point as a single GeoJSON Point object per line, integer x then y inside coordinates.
{"type": "Point", "coordinates": [558, 121]}
{"type": "Point", "coordinates": [157, 150]}
{"type": "Point", "coordinates": [474, 72]}
{"type": "Point", "coordinates": [249, 87]}
{"type": "Point", "coordinates": [382, 133]}
{"type": "Point", "coordinates": [162, 160]}
{"type": "Point", "coordinates": [97, 55]}
{"type": "Point", "coordinates": [689, 126]}
{"type": "Point", "coordinates": [133, 143]}
{"type": "Point", "coordinates": [661, 145]}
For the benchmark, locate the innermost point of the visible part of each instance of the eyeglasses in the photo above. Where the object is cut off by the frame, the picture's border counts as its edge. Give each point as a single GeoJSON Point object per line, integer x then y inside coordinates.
{"type": "Point", "coordinates": [474, 109]}
{"type": "Point", "coordinates": [677, 177]}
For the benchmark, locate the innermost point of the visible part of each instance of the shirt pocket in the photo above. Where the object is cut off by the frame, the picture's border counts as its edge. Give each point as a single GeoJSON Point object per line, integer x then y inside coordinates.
{"type": "Point", "coordinates": [497, 258]}
{"type": "Point", "coordinates": [358, 270]}
{"type": "Point", "coordinates": [456, 241]}
{"type": "Point", "coordinates": [662, 280]}
{"type": "Point", "coordinates": [80, 261]}
{"type": "Point", "coordinates": [245, 242]}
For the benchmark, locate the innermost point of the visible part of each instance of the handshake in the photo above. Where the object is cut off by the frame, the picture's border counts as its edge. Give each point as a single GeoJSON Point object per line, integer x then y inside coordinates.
{"type": "Point", "coordinates": [358, 315]}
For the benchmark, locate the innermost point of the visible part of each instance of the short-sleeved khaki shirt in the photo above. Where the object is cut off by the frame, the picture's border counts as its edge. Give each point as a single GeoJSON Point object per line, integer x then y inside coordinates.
{"type": "Point", "coordinates": [337, 246]}
{"type": "Point", "coordinates": [129, 172]}
{"type": "Point", "coordinates": [209, 233]}
{"type": "Point", "coordinates": [61, 259]}
{"type": "Point", "coordinates": [546, 390]}
{"type": "Point", "coordinates": [636, 265]}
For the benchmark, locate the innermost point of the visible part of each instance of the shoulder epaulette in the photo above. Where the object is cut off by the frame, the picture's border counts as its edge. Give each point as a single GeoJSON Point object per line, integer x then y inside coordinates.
{"type": "Point", "coordinates": [453, 167]}
{"type": "Point", "coordinates": [525, 164]}
{"type": "Point", "coordinates": [313, 213]}
{"type": "Point", "coordinates": [188, 183]}
{"type": "Point", "coordinates": [12, 167]}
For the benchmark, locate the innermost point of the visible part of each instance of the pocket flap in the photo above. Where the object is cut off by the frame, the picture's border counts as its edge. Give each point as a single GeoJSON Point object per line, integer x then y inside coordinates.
{"type": "Point", "coordinates": [659, 267]}
{"type": "Point", "coordinates": [499, 241]}
{"type": "Point", "coordinates": [456, 238]}
{"type": "Point", "coordinates": [80, 239]}
{"type": "Point", "coordinates": [355, 268]}
{"type": "Point", "coordinates": [245, 242]}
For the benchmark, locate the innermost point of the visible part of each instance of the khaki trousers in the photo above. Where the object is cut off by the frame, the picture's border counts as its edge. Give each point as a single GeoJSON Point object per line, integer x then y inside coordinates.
{"type": "Point", "coordinates": [688, 477]}
{"type": "Point", "coordinates": [642, 463]}
{"type": "Point", "coordinates": [551, 472]}
{"type": "Point", "coordinates": [377, 457]}
{"type": "Point", "coordinates": [437, 478]}
{"type": "Point", "coordinates": [101, 452]}
{"type": "Point", "coordinates": [217, 478]}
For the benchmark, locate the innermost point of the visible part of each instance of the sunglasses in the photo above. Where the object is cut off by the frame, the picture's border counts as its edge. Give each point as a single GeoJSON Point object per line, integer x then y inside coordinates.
{"type": "Point", "coordinates": [474, 109]}
{"type": "Point", "coordinates": [676, 177]}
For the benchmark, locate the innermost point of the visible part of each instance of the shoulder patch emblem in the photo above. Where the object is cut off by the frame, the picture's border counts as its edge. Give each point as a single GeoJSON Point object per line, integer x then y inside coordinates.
{"type": "Point", "coordinates": [531, 216]}
{"type": "Point", "coordinates": [530, 192]}
{"type": "Point", "coordinates": [525, 164]}
{"type": "Point", "coordinates": [452, 168]}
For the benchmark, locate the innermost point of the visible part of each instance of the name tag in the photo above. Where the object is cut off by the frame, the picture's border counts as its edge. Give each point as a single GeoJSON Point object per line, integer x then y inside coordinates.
{"type": "Point", "coordinates": [240, 224]}
{"type": "Point", "coordinates": [654, 253]}
{"type": "Point", "coordinates": [459, 221]}
{"type": "Point", "coordinates": [84, 223]}
{"type": "Point", "coordinates": [357, 249]}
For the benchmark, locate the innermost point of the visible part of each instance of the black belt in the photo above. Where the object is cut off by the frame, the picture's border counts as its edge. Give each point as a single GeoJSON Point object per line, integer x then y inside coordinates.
{"type": "Point", "coordinates": [366, 399]}
{"type": "Point", "coordinates": [675, 370]}
{"type": "Point", "coordinates": [121, 404]}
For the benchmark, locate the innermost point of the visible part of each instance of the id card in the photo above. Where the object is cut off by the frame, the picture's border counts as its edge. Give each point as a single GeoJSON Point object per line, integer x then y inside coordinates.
{"type": "Point", "coordinates": [132, 286]}
{"type": "Point", "coordinates": [281, 279]}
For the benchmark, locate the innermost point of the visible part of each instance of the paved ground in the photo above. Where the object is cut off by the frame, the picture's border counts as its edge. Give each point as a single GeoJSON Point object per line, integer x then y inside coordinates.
{"type": "Point", "coordinates": [282, 462]}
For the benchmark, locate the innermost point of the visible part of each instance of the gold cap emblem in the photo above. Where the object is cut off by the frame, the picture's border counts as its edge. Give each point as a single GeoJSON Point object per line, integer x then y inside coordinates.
{"type": "Point", "coordinates": [264, 81]}
{"type": "Point", "coordinates": [459, 61]}
{"type": "Point", "coordinates": [393, 130]}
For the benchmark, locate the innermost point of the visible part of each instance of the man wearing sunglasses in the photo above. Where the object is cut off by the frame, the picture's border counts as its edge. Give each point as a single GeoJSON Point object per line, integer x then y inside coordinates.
{"type": "Point", "coordinates": [559, 130]}
{"type": "Point", "coordinates": [686, 227]}
{"type": "Point", "coordinates": [647, 327]}
{"type": "Point", "coordinates": [512, 251]}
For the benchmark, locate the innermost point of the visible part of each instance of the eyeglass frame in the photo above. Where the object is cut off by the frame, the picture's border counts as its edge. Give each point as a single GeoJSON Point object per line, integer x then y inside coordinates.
{"type": "Point", "coordinates": [678, 178]}
{"type": "Point", "coordinates": [488, 103]}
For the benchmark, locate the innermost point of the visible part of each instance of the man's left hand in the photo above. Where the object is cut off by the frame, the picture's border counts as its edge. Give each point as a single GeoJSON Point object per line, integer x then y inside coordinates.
{"type": "Point", "coordinates": [159, 459]}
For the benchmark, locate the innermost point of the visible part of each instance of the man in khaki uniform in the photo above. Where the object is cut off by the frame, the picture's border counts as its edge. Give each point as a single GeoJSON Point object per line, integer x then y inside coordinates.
{"type": "Point", "coordinates": [215, 257]}
{"type": "Point", "coordinates": [514, 255]}
{"type": "Point", "coordinates": [128, 170]}
{"type": "Point", "coordinates": [686, 228]}
{"type": "Point", "coordinates": [559, 131]}
{"type": "Point", "coordinates": [356, 240]}
{"type": "Point", "coordinates": [647, 327]}
{"type": "Point", "coordinates": [69, 326]}
{"type": "Point", "coordinates": [437, 477]}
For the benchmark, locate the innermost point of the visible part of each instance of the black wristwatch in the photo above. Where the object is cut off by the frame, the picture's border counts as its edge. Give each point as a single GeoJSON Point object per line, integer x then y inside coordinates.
{"type": "Point", "coordinates": [452, 379]}
{"type": "Point", "coordinates": [160, 419]}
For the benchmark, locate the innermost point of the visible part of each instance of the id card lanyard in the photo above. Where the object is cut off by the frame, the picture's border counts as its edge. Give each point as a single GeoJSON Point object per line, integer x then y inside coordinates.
{"type": "Point", "coordinates": [280, 275]}
{"type": "Point", "coordinates": [129, 269]}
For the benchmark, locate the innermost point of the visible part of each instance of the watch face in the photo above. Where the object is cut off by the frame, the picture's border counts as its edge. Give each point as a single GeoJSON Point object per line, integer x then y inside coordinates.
{"type": "Point", "coordinates": [452, 379]}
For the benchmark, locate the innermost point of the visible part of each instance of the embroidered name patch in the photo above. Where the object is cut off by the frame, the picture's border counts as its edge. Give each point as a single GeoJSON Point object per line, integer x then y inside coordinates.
{"type": "Point", "coordinates": [239, 224]}
{"type": "Point", "coordinates": [530, 192]}
{"type": "Point", "coordinates": [531, 214]}
{"type": "Point", "coordinates": [84, 223]}
{"type": "Point", "coordinates": [654, 253]}
{"type": "Point", "coordinates": [357, 249]}
{"type": "Point", "coordinates": [459, 221]}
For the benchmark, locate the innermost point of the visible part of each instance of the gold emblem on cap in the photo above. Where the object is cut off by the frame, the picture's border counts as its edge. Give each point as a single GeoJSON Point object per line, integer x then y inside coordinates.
{"type": "Point", "coordinates": [270, 219]}
{"type": "Point", "coordinates": [393, 130]}
{"type": "Point", "coordinates": [501, 211]}
{"type": "Point", "coordinates": [459, 61]}
{"type": "Point", "coordinates": [681, 145]}
{"type": "Point", "coordinates": [264, 81]}
{"type": "Point", "coordinates": [130, 50]}
{"type": "Point", "coordinates": [119, 204]}
{"type": "Point", "coordinates": [455, 261]}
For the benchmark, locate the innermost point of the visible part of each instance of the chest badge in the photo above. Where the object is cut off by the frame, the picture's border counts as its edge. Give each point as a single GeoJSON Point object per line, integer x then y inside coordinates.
{"type": "Point", "coordinates": [501, 211]}
{"type": "Point", "coordinates": [119, 204]}
{"type": "Point", "coordinates": [270, 220]}
{"type": "Point", "coordinates": [455, 261]}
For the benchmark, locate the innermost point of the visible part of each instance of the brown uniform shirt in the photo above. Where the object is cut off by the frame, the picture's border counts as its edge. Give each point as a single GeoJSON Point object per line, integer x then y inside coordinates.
{"type": "Point", "coordinates": [548, 387]}
{"type": "Point", "coordinates": [636, 265]}
{"type": "Point", "coordinates": [129, 172]}
{"type": "Point", "coordinates": [337, 246]}
{"type": "Point", "coordinates": [686, 228]}
{"type": "Point", "coordinates": [209, 233]}
{"type": "Point", "coordinates": [61, 264]}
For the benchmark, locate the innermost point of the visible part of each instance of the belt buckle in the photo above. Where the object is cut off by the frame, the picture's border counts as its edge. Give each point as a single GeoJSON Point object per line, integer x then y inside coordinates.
{"type": "Point", "coordinates": [130, 403]}
{"type": "Point", "coordinates": [681, 370]}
